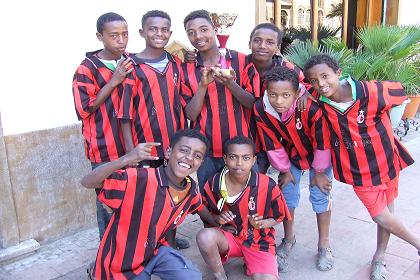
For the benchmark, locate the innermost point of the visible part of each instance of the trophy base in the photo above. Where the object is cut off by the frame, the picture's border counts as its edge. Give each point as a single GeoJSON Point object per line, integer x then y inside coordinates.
{"type": "Point", "coordinates": [226, 72]}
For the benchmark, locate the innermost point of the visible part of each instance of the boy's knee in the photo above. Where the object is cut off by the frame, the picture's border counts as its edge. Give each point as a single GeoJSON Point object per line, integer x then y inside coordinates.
{"type": "Point", "coordinates": [205, 238]}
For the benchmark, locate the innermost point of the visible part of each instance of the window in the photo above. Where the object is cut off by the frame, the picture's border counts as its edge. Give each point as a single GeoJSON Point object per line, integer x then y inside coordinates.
{"type": "Point", "coordinates": [301, 17]}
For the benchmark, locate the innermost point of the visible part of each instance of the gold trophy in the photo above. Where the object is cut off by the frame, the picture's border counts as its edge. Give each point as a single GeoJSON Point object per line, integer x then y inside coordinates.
{"type": "Point", "coordinates": [222, 21]}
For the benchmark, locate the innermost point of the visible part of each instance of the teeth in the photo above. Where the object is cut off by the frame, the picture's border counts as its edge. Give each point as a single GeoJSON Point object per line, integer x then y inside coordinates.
{"type": "Point", "coordinates": [185, 165]}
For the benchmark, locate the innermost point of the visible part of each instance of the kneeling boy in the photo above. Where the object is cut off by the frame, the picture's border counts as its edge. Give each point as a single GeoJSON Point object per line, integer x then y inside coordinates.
{"type": "Point", "coordinates": [246, 205]}
{"type": "Point", "coordinates": [147, 204]}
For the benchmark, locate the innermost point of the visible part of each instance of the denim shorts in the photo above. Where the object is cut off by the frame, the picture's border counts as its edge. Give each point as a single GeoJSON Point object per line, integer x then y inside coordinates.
{"type": "Point", "coordinates": [320, 201]}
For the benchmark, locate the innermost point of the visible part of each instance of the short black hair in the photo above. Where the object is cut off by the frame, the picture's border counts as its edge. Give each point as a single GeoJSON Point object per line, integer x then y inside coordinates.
{"type": "Point", "coordinates": [238, 140]}
{"type": "Point", "coordinates": [105, 18]}
{"type": "Point", "coordinates": [192, 133]}
{"type": "Point", "coordinates": [321, 59]}
{"type": "Point", "coordinates": [154, 13]}
{"type": "Point", "coordinates": [282, 73]}
{"type": "Point", "coordinates": [198, 14]}
{"type": "Point", "coordinates": [268, 25]}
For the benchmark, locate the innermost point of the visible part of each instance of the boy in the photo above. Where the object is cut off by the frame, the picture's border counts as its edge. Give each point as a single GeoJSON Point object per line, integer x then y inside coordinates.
{"type": "Point", "coordinates": [264, 43]}
{"type": "Point", "coordinates": [296, 141]}
{"type": "Point", "coordinates": [218, 104]}
{"type": "Point", "coordinates": [148, 203]}
{"type": "Point", "coordinates": [151, 109]}
{"type": "Point", "coordinates": [365, 152]}
{"type": "Point", "coordinates": [246, 205]}
{"type": "Point", "coordinates": [97, 92]}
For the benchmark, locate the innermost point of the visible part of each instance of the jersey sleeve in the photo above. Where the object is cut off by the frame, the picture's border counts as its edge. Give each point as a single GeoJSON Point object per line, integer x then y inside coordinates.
{"type": "Point", "coordinates": [319, 127]}
{"type": "Point", "coordinates": [186, 92]}
{"type": "Point", "coordinates": [279, 210]}
{"type": "Point", "coordinates": [251, 80]}
{"type": "Point", "coordinates": [84, 91]}
{"type": "Point", "coordinates": [115, 187]}
{"type": "Point", "coordinates": [196, 202]}
{"type": "Point", "coordinates": [126, 109]}
{"type": "Point", "coordinates": [393, 94]}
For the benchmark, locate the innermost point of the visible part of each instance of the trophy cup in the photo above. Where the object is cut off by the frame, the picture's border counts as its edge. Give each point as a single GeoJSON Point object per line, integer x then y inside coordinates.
{"type": "Point", "coordinates": [222, 21]}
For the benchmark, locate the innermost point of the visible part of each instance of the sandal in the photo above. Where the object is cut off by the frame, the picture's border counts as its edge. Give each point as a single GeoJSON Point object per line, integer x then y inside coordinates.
{"type": "Point", "coordinates": [378, 270]}
{"type": "Point", "coordinates": [181, 243]}
{"type": "Point", "coordinates": [325, 260]}
{"type": "Point", "coordinates": [282, 252]}
{"type": "Point", "coordinates": [89, 270]}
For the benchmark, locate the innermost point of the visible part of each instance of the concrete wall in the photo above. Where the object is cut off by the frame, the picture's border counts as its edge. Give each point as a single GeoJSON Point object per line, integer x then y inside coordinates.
{"type": "Point", "coordinates": [41, 195]}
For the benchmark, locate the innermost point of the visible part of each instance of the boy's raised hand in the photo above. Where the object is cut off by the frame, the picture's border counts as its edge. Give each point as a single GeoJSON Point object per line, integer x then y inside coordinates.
{"type": "Point", "coordinates": [206, 76]}
{"type": "Point", "coordinates": [124, 67]}
{"type": "Point", "coordinates": [142, 151]}
{"type": "Point", "coordinates": [225, 217]}
{"type": "Point", "coordinates": [190, 55]}
{"type": "Point", "coordinates": [285, 178]}
{"type": "Point", "coordinates": [322, 181]}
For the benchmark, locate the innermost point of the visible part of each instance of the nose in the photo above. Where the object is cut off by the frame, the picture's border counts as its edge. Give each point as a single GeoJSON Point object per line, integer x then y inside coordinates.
{"type": "Point", "coordinates": [239, 162]}
{"type": "Point", "coordinates": [120, 39]}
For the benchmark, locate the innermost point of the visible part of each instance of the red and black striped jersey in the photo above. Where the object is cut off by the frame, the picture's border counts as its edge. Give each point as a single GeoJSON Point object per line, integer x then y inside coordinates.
{"type": "Point", "coordinates": [301, 134]}
{"type": "Point", "coordinates": [262, 196]}
{"type": "Point", "coordinates": [365, 151]}
{"type": "Point", "coordinates": [144, 212]}
{"type": "Point", "coordinates": [101, 130]}
{"type": "Point", "coordinates": [277, 61]}
{"type": "Point", "coordinates": [222, 116]}
{"type": "Point", "coordinates": [151, 100]}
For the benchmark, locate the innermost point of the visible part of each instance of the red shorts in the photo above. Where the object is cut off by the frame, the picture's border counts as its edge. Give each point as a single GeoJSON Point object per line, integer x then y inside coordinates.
{"type": "Point", "coordinates": [257, 262]}
{"type": "Point", "coordinates": [376, 198]}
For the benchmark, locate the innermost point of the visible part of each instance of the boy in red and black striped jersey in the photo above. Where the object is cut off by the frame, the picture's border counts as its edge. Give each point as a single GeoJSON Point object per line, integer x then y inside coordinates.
{"type": "Point", "coordinates": [264, 42]}
{"type": "Point", "coordinates": [151, 109]}
{"type": "Point", "coordinates": [147, 204]}
{"type": "Point", "coordinates": [365, 152]}
{"type": "Point", "coordinates": [97, 91]}
{"type": "Point", "coordinates": [218, 104]}
{"type": "Point", "coordinates": [296, 141]}
{"type": "Point", "coordinates": [245, 206]}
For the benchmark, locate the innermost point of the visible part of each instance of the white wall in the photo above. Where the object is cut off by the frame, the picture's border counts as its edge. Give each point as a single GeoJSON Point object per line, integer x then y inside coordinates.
{"type": "Point", "coordinates": [409, 12]}
{"type": "Point", "coordinates": [44, 41]}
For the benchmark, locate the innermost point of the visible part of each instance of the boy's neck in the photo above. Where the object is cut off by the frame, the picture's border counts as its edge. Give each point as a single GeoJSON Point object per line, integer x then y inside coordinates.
{"type": "Point", "coordinates": [343, 94]}
{"type": "Point", "coordinates": [262, 66]}
{"type": "Point", "coordinates": [210, 57]}
{"type": "Point", "coordinates": [151, 53]}
{"type": "Point", "coordinates": [236, 184]}
{"type": "Point", "coordinates": [107, 55]}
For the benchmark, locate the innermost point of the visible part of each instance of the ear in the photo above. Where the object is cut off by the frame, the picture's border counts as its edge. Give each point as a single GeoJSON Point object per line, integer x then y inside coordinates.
{"type": "Point", "coordinates": [339, 71]}
{"type": "Point", "coordinates": [99, 36]}
{"type": "Point", "coordinates": [225, 158]}
{"type": "Point", "coordinates": [168, 153]}
{"type": "Point", "coordinates": [254, 160]}
{"type": "Point", "coordinates": [141, 32]}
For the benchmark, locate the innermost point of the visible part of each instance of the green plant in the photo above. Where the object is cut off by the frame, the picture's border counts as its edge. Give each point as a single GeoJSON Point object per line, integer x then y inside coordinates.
{"type": "Point", "coordinates": [304, 34]}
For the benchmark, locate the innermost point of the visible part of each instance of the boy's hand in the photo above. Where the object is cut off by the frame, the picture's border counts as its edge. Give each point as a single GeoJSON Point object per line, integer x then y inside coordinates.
{"type": "Point", "coordinates": [285, 178]}
{"type": "Point", "coordinates": [322, 181]}
{"type": "Point", "coordinates": [206, 76]}
{"type": "Point", "coordinates": [258, 221]}
{"type": "Point", "coordinates": [222, 76]}
{"type": "Point", "coordinates": [123, 68]}
{"type": "Point", "coordinates": [141, 152]}
{"type": "Point", "coordinates": [190, 56]}
{"type": "Point", "coordinates": [303, 100]}
{"type": "Point", "coordinates": [230, 229]}
{"type": "Point", "coordinates": [225, 217]}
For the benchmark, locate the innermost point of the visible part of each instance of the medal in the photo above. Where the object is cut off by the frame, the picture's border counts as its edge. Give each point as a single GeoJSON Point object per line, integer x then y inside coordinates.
{"type": "Point", "coordinates": [298, 124]}
{"type": "Point", "coordinates": [178, 217]}
{"type": "Point", "coordinates": [251, 203]}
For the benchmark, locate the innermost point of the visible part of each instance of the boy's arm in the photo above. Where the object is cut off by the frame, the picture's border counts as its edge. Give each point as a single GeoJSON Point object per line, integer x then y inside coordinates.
{"type": "Point", "coordinates": [123, 68]}
{"type": "Point", "coordinates": [127, 135]}
{"type": "Point", "coordinates": [97, 176]}
{"type": "Point", "coordinates": [207, 217]}
{"type": "Point", "coordinates": [194, 106]}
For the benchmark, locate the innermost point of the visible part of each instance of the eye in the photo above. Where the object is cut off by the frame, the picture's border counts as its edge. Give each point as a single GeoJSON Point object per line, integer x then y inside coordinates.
{"type": "Point", "coordinates": [324, 76]}
{"type": "Point", "coordinates": [286, 95]}
{"type": "Point", "coordinates": [246, 158]}
{"type": "Point", "coordinates": [270, 43]}
{"type": "Point", "coordinates": [190, 33]}
{"type": "Point", "coordinates": [232, 157]}
{"type": "Point", "coordinates": [198, 156]}
{"type": "Point", "coordinates": [184, 151]}
{"type": "Point", "coordinates": [271, 94]}
{"type": "Point", "coordinates": [313, 81]}
{"type": "Point", "coordinates": [204, 29]}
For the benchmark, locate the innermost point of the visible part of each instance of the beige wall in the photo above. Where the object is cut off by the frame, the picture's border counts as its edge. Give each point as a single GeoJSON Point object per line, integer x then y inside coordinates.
{"type": "Point", "coordinates": [44, 199]}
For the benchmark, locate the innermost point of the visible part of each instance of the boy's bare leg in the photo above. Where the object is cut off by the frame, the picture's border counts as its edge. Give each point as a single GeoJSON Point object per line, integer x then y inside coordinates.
{"type": "Point", "coordinates": [323, 221]}
{"type": "Point", "coordinates": [212, 244]}
{"type": "Point", "coordinates": [289, 232]}
{"type": "Point", "coordinates": [388, 222]}
{"type": "Point", "coordinates": [382, 238]}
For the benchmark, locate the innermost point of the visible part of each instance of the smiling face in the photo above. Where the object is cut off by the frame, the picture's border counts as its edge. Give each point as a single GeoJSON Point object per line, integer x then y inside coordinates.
{"type": "Point", "coordinates": [281, 95]}
{"type": "Point", "coordinates": [114, 36]}
{"type": "Point", "coordinates": [185, 157]}
{"type": "Point", "coordinates": [239, 159]}
{"type": "Point", "coordinates": [201, 34]}
{"type": "Point", "coordinates": [264, 44]}
{"type": "Point", "coordinates": [324, 80]}
{"type": "Point", "coordinates": [156, 32]}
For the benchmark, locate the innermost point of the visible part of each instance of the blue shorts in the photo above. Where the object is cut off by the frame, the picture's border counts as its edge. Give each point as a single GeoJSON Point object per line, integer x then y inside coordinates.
{"type": "Point", "coordinates": [320, 201]}
{"type": "Point", "coordinates": [170, 264]}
